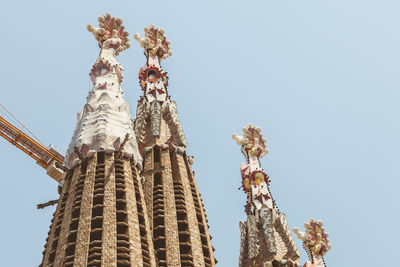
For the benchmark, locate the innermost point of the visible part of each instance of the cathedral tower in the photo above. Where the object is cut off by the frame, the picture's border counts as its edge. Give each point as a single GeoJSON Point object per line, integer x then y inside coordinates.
{"type": "Point", "coordinates": [101, 217]}
{"type": "Point", "coordinates": [176, 213]}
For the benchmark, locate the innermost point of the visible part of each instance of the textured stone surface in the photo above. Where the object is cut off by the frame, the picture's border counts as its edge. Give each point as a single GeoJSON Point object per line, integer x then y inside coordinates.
{"type": "Point", "coordinates": [148, 185]}
{"type": "Point", "coordinates": [109, 253]}
{"type": "Point", "coordinates": [146, 224]}
{"type": "Point", "coordinates": [57, 218]}
{"type": "Point", "coordinates": [82, 242]}
{"type": "Point", "coordinates": [171, 224]}
{"type": "Point", "coordinates": [138, 230]}
{"type": "Point", "coordinates": [195, 240]}
{"type": "Point", "coordinates": [62, 240]}
{"type": "Point", "coordinates": [133, 222]}
{"type": "Point", "coordinates": [206, 245]}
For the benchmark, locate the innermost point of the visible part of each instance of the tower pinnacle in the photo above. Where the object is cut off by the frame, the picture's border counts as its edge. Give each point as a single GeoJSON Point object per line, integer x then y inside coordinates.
{"type": "Point", "coordinates": [105, 119]}
{"type": "Point", "coordinates": [265, 237]}
{"type": "Point", "coordinates": [155, 43]}
{"type": "Point", "coordinates": [315, 242]}
{"type": "Point", "coordinates": [155, 102]}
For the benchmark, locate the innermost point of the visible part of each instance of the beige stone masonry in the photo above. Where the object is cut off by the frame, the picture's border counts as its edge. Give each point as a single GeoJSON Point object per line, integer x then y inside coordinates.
{"type": "Point", "coordinates": [133, 222]}
{"type": "Point", "coordinates": [195, 239]}
{"type": "Point", "coordinates": [56, 215]}
{"type": "Point", "coordinates": [109, 246]}
{"type": "Point", "coordinates": [149, 235]}
{"type": "Point", "coordinates": [62, 240]}
{"type": "Point", "coordinates": [203, 212]}
{"type": "Point", "coordinates": [170, 220]}
{"type": "Point", "coordinates": [148, 186]}
{"type": "Point", "coordinates": [83, 238]}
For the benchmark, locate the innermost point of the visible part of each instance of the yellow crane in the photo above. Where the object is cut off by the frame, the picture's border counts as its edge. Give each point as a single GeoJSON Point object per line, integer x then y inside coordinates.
{"type": "Point", "coordinates": [48, 158]}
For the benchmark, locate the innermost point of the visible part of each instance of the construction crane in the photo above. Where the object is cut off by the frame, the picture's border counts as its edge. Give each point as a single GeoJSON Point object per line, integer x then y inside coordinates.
{"type": "Point", "coordinates": [48, 158]}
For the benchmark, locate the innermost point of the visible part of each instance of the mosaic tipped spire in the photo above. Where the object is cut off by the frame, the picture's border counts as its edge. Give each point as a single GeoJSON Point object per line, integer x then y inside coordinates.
{"type": "Point", "coordinates": [265, 237]}
{"type": "Point", "coordinates": [154, 42]}
{"type": "Point", "coordinates": [111, 27]}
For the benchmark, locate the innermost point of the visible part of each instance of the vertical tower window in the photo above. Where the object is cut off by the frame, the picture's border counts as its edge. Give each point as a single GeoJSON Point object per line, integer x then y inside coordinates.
{"type": "Point", "coordinates": [156, 153]}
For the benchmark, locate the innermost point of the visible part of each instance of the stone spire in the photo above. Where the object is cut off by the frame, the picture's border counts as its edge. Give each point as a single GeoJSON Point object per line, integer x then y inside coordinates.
{"type": "Point", "coordinates": [101, 217]}
{"type": "Point", "coordinates": [177, 216]}
{"type": "Point", "coordinates": [265, 237]}
{"type": "Point", "coordinates": [105, 119]}
{"type": "Point", "coordinates": [155, 102]}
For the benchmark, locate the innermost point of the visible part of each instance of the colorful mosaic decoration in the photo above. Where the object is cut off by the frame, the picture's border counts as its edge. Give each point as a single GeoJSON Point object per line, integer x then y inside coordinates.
{"type": "Point", "coordinates": [252, 140]}
{"type": "Point", "coordinates": [153, 75]}
{"type": "Point", "coordinates": [254, 178]}
{"type": "Point", "coordinates": [315, 240]}
{"type": "Point", "coordinates": [110, 27]}
{"type": "Point", "coordinates": [155, 42]}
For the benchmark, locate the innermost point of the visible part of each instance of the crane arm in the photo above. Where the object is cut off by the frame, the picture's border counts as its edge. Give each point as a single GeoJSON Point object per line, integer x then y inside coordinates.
{"type": "Point", "coordinates": [45, 157]}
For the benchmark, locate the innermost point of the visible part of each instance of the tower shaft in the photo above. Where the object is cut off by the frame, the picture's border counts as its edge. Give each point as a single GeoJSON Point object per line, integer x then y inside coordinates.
{"type": "Point", "coordinates": [100, 218]}
{"type": "Point", "coordinates": [179, 223]}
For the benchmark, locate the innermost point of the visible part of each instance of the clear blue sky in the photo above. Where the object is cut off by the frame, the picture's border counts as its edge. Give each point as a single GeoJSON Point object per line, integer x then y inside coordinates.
{"type": "Point", "coordinates": [321, 78]}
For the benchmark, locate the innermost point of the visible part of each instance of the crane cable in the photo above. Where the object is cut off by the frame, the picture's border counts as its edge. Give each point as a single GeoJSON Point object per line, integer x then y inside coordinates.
{"type": "Point", "coordinates": [37, 139]}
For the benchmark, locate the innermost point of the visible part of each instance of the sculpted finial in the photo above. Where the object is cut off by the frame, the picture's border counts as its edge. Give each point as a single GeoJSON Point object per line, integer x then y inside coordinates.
{"type": "Point", "coordinates": [154, 42]}
{"type": "Point", "coordinates": [252, 141]}
{"type": "Point", "coordinates": [315, 241]}
{"type": "Point", "coordinates": [111, 27]}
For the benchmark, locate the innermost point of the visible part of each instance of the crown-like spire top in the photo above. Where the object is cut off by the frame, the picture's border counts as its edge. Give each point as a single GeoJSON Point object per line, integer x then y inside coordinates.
{"type": "Point", "coordinates": [252, 141]}
{"type": "Point", "coordinates": [154, 42]}
{"type": "Point", "coordinates": [111, 27]}
{"type": "Point", "coordinates": [315, 240]}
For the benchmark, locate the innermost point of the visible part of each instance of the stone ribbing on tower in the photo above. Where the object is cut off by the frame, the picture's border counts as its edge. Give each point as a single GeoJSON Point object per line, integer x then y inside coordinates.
{"type": "Point", "coordinates": [178, 220]}
{"type": "Point", "coordinates": [101, 218]}
{"type": "Point", "coordinates": [85, 218]}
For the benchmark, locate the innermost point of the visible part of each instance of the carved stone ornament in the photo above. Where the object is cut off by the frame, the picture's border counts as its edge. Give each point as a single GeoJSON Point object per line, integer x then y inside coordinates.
{"type": "Point", "coordinates": [155, 42]}
{"type": "Point", "coordinates": [110, 27]}
{"type": "Point", "coordinates": [315, 241]}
